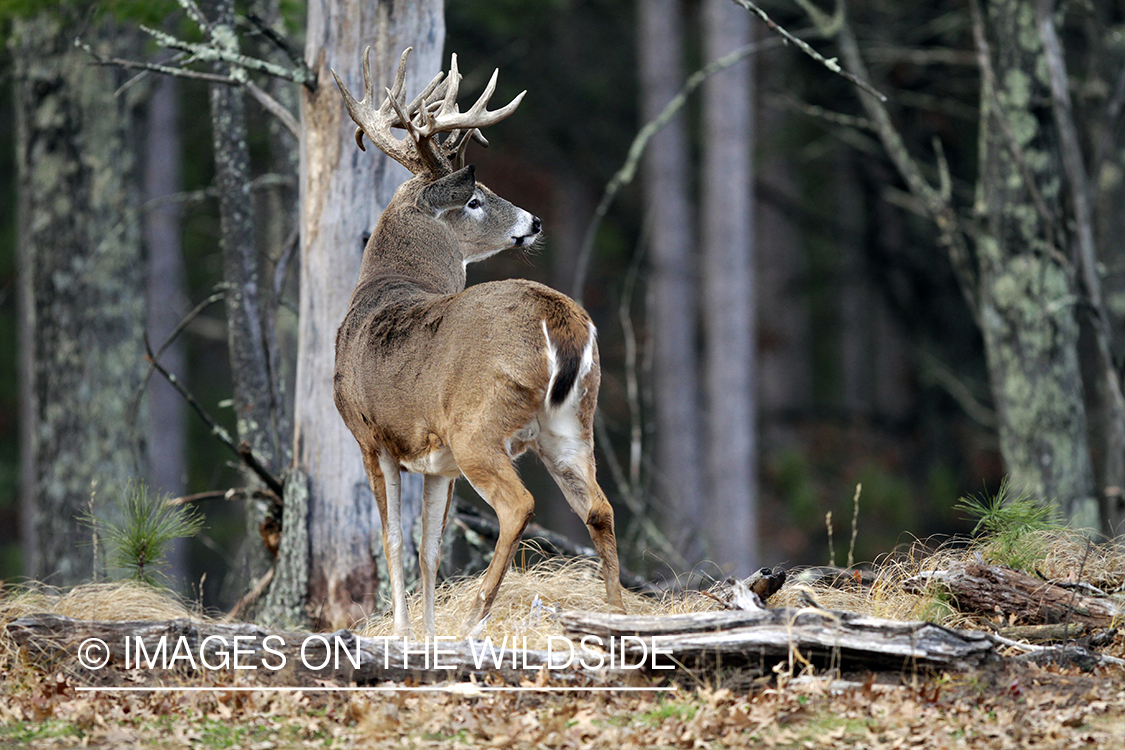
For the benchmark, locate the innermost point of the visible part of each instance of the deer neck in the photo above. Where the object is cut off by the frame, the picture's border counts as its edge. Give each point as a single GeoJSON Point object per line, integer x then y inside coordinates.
{"type": "Point", "coordinates": [411, 249]}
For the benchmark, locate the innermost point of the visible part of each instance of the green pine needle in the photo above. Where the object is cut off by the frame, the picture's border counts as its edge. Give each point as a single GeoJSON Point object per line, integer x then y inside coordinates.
{"type": "Point", "coordinates": [1010, 528]}
{"type": "Point", "coordinates": [149, 525]}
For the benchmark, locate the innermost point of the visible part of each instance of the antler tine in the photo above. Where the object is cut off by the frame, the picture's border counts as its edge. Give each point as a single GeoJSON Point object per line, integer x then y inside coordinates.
{"type": "Point", "coordinates": [482, 101]}
{"type": "Point", "coordinates": [450, 102]}
{"type": "Point", "coordinates": [400, 76]}
{"type": "Point", "coordinates": [353, 108]}
{"type": "Point", "coordinates": [403, 116]}
{"type": "Point", "coordinates": [448, 118]}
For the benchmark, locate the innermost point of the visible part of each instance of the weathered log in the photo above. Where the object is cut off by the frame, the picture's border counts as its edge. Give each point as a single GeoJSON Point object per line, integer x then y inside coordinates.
{"type": "Point", "coordinates": [1044, 633]}
{"type": "Point", "coordinates": [758, 640]}
{"type": "Point", "coordinates": [173, 651]}
{"type": "Point", "coordinates": [1020, 598]}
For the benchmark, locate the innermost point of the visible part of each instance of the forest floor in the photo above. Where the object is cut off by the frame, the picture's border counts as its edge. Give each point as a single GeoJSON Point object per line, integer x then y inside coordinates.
{"type": "Point", "coordinates": [1006, 705]}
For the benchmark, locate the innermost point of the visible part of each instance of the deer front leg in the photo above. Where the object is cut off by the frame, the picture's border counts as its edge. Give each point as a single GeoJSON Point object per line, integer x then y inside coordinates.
{"type": "Point", "coordinates": [437, 492]}
{"type": "Point", "coordinates": [495, 479]}
{"type": "Point", "coordinates": [388, 498]}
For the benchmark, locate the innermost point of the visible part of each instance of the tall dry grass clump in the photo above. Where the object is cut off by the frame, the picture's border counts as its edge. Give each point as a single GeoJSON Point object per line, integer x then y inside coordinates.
{"type": "Point", "coordinates": [526, 599]}
{"type": "Point", "coordinates": [122, 601]}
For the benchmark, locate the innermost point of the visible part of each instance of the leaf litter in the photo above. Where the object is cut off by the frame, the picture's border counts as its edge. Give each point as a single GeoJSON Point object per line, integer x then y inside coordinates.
{"type": "Point", "coordinates": [1008, 705]}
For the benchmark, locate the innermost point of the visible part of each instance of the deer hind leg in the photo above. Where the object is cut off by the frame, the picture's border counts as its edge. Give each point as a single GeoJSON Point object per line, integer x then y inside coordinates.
{"type": "Point", "coordinates": [491, 473]}
{"type": "Point", "coordinates": [383, 476]}
{"type": "Point", "coordinates": [437, 492]}
{"type": "Point", "coordinates": [569, 457]}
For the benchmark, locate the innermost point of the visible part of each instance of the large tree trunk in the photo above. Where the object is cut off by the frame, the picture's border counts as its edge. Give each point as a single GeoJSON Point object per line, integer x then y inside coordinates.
{"type": "Point", "coordinates": [343, 190]}
{"type": "Point", "coordinates": [672, 318]}
{"type": "Point", "coordinates": [82, 298]}
{"type": "Point", "coordinates": [726, 234]}
{"type": "Point", "coordinates": [1027, 290]}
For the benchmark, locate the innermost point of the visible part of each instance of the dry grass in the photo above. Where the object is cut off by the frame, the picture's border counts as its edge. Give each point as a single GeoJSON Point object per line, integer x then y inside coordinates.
{"type": "Point", "coordinates": [559, 584]}
{"type": "Point", "coordinates": [122, 601]}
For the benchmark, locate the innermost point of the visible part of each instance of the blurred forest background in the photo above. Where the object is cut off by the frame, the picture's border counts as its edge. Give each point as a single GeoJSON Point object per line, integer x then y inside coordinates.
{"type": "Point", "coordinates": [757, 376]}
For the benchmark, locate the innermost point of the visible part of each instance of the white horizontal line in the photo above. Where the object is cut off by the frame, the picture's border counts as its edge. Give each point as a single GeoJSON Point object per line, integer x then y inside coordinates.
{"type": "Point", "coordinates": [393, 689]}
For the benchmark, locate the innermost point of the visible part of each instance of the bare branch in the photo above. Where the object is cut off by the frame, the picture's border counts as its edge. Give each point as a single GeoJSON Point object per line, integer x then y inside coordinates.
{"type": "Point", "coordinates": [940, 210]}
{"type": "Point", "coordinates": [154, 67]}
{"type": "Point", "coordinates": [236, 493]}
{"type": "Point", "coordinates": [832, 64]}
{"type": "Point", "coordinates": [795, 104]}
{"type": "Point", "coordinates": [242, 450]}
{"type": "Point", "coordinates": [1071, 150]}
{"type": "Point", "coordinates": [196, 15]}
{"type": "Point", "coordinates": [251, 597]}
{"type": "Point", "coordinates": [281, 268]}
{"type": "Point", "coordinates": [208, 52]}
{"type": "Point", "coordinates": [279, 41]}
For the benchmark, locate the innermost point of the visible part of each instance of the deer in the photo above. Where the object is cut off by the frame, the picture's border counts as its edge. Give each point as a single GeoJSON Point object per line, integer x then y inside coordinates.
{"type": "Point", "coordinates": [446, 381]}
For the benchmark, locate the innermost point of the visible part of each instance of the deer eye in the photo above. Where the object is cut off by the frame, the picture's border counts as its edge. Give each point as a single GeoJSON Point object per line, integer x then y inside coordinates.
{"type": "Point", "coordinates": [474, 203]}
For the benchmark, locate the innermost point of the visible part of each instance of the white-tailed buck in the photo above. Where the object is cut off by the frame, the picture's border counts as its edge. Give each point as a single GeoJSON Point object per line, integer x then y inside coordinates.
{"type": "Point", "coordinates": [446, 381]}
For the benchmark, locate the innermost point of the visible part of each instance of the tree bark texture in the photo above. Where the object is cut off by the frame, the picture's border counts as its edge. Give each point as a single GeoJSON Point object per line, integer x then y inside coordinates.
{"type": "Point", "coordinates": [343, 190]}
{"type": "Point", "coordinates": [672, 298]}
{"type": "Point", "coordinates": [1027, 288]}
{"type": "Point", "coordinates": [276, 236]}
{"type": "Point", "coordinates": [256, 409]}
{"type": "Point", "coordinates": [81, 288]}
{"type": "Point", "coordinates": [726, 234]}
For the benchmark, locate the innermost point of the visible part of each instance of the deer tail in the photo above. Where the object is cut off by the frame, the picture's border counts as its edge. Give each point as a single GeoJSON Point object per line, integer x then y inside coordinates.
{"type": "Point", "coordinates": [570, 354]}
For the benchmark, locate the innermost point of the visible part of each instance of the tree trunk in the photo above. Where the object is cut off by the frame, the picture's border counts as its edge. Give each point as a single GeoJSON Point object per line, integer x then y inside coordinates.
{"type": "Point", "coordinates": [672, 319]}
{"type": "Point", "coordinates": [343, 190]}
{"type": "Point", "coordinates": [256, 411]}
{"type": "Point", "coordinates": [276, 237]}
{"type": "Point", "coordinates": [728, 298]}
{"type": "Point", "coordinates": [1027, 290]}
{"type": "Point", "coordinates": [81, 290]}
{"type": "Point", "coordinates": [167, 428]}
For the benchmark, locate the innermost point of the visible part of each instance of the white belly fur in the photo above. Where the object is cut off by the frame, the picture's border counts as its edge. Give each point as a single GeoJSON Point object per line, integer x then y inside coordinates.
{"type": "Point", "coordinates": [439, 462]}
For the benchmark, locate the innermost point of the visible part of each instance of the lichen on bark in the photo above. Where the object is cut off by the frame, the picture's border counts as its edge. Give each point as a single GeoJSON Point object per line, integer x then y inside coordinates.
{"type": "Point", "coordinates": [81, 286]}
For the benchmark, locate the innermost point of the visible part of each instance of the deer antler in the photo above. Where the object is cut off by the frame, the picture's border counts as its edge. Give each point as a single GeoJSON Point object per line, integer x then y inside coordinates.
{"type": "Point", "coordinates": [432, 112]}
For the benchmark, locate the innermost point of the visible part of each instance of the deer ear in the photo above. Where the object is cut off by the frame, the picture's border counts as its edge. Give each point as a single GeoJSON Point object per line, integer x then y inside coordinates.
{"type": "Point", "coordinates": [451, 191]}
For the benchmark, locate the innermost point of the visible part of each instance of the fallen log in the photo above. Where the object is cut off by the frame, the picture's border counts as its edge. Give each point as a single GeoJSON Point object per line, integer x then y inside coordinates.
{"type": "Point", "coordinates": [176, 651]}
{"type": "Point", "coordinates": [1020, 598]}
{"type": "Point", "coordinates": [758, 640]}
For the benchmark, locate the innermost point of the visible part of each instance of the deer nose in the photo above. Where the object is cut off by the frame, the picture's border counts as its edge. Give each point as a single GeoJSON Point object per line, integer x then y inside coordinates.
{"type": "Point", "coordinates": [536, 225]}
